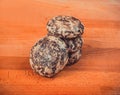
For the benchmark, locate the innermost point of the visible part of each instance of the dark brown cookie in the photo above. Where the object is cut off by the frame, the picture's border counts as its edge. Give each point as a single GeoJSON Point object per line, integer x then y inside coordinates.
{"type": "Point", "coordinates": [65, 27]}
{"type": "Point", "coordinates": [49, 56]}
{"type": "Point", "coordinates": [73, 57]}
{"type": "Point", "coordinates": [74, 44]}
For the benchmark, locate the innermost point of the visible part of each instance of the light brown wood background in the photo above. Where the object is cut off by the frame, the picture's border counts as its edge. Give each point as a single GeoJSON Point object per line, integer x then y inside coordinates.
{"type": "Point", "coordinates": [23, 22]}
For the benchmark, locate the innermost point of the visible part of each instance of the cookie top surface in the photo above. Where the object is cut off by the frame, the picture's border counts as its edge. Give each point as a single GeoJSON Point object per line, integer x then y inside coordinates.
{"type": "Point", "coordinates": [65, 27]}
{"type": "Point", "coordinates": [49, 54]}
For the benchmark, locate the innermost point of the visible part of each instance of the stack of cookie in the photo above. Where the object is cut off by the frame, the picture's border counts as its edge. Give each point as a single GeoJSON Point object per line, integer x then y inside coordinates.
{"type": "Point", "coordinates": [61, 47]}
{"type": "Point", "coordinates": [69, 29]}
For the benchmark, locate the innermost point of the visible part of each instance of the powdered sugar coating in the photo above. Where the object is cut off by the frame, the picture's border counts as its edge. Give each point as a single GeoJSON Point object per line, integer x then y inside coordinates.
{"type": "Point", "coordinates": [65, 27]}
{"type": "Point", "coordinates": [49, 56]}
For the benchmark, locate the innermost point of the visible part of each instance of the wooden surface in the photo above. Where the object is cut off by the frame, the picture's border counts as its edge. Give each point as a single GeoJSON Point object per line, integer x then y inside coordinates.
{"type": "Point", "coordinates": [23, 22]}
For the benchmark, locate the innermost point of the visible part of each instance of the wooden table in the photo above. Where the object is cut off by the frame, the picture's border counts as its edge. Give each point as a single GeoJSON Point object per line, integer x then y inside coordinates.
{"type": "Point", "coordinates": [23, 22]}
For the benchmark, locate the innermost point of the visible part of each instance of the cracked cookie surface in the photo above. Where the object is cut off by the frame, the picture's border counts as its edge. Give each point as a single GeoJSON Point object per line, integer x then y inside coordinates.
{"type": "Point", "coordinates": [49, 56]}
{"type": "Point", "coordinates": [65, 27]}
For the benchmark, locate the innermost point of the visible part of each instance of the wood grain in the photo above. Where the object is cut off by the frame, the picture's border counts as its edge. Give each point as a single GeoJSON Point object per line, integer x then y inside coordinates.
{"type": "Point", "coordinates": [23, 22]}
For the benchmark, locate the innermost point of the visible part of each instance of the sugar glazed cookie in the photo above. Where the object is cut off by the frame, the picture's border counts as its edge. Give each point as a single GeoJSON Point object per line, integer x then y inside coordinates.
{"type": "Point", "coordinates": [65, 27]}
{"type": "Point", "coordinates": [74, 44]}
{"type": "Point", "coordinates": [74, 57]}
{"type": "Point", "coordinates": [49, 56]}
